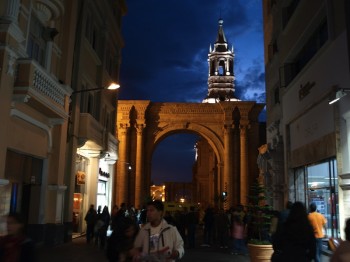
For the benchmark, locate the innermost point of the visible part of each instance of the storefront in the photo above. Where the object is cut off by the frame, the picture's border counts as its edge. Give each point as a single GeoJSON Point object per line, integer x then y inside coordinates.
{"type": "Point", "coordinates": [318, 183]}
{"type": "Point", "coordinates": [93, 185]}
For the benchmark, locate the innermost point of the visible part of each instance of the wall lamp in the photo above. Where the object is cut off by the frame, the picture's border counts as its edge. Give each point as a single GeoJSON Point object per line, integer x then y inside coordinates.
{"type": "Point", "coordinates": [337, 93]}
{"type": "Point", "coordinates": [112, 86]}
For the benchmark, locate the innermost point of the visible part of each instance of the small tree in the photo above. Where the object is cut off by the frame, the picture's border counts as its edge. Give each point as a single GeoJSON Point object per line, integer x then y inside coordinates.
{"type": "Point", "coordinates": [259, 214]}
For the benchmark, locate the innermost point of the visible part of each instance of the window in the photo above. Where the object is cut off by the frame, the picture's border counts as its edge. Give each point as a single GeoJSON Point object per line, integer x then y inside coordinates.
{"type": "Point", "coordinates": [111, 62]}
{"type": "Point", "coordinates": [91, 32]}
{"type": "Point", "coordinates": [272, 50]}
{"type": "Point", "coordinates": [101, 193]}
{"type": "Point", "coordinates": [36, 46]}
{"type": "Point", "coordinates": [288, 12]}
{"type": "Point", "coordinates": [290, 70]}
{"type": "Point", "coordinates": [315, 42]}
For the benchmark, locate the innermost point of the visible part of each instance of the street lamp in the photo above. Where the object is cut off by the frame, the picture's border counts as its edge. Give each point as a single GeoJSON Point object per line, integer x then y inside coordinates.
{"type": "Point", "coordinates": [337, 94]}
{"type": "Point", "coordinates": [112, 86]}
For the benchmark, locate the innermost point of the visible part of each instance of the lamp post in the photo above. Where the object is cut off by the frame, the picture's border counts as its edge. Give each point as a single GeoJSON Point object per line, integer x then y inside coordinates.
{"type": "Point", "coordinates": [112, 86]}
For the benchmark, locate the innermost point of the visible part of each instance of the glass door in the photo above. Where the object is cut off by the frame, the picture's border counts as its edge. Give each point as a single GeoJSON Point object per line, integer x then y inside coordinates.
{"type": "Point", "coordinates": [323, 191]}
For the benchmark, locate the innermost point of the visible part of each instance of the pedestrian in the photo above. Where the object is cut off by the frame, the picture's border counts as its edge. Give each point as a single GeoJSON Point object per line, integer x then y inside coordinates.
{"type": "Point", "coordinates": [105, 217]}
{"type": "Point", "coordinates": [121, 213]}
{"type": "Point", "coordinates": [342, 252]}
{"type": "Point", "coordinates": [90, 219]}
{"type": "Point", "coordinates": [157, 240]}
{"type": "Point", "coordinates": [143, 216]}
{"type": "Point", "coordinates": [294, 240]}
{"type": "Point", "coordinates": [285, 212]}
{"type": "Point", "coordinates": [319, 224]}
{"type": "Point", "coordinates": [238, 233]}
{"type": "Point", "coordinates": [98, 226]}
{"type": "Point", "coordinates": [192, 218]}
{"type": "Point", "coordinates": [222, 225]}
{"type": "Point", "coordinates": [120, 243]}
{"type": "Point", "coordinates": [16, 246]}
{"type": "Point", "coordinates": [208, 221]}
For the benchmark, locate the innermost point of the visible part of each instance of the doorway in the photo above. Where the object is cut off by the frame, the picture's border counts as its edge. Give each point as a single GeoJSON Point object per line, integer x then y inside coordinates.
{"type": "Point", "coordinates": [318, 183]}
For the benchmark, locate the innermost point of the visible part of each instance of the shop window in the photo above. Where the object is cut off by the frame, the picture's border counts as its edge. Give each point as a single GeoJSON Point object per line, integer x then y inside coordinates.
{"type": "Point", "coordinates": [101, 193]}
{"type": "Point", "coordinates": [318, 183]}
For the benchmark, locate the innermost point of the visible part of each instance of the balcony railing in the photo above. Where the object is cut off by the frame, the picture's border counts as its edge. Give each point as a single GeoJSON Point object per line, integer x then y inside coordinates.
{"type": "Point", "coordinates": [40, 90]}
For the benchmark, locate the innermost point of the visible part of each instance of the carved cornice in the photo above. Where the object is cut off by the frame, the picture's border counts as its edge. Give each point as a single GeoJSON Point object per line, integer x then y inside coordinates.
{"type": "Point", "coordinates": [49, 10]}
{"type": "Point", "coordinates": [190, 108]}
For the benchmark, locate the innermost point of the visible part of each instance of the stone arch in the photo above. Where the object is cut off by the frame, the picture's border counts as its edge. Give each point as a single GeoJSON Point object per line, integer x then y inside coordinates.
{"type": "Point", "coordinates": [199, 129]}
{"type": "Point", "coordinates": [230, 127]}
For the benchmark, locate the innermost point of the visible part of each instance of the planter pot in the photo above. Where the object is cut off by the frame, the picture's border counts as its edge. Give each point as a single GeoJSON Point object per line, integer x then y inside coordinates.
{"type": "Point", "coordinates": [260, 253]}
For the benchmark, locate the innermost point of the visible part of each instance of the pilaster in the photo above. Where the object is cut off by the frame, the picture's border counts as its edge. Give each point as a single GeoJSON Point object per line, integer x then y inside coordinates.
{"type": "Point", "coordinates": [244, 125]}
{"type": "Point", "coordinates": [122, 173]}
{"type": "Point", "coordinates": [139, 164]}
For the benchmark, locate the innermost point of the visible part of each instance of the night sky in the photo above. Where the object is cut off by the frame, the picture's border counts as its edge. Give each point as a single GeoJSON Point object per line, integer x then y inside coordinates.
{"type": "Point", "coordinates": [165, 60]}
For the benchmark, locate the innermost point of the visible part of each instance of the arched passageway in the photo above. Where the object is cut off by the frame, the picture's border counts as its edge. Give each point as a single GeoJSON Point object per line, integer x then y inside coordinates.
{"type": "Point", "coordinates": [230, 128]}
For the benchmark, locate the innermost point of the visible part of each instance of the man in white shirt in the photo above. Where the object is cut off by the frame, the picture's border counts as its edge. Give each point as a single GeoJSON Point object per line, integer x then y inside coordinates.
{"type": "Point", "coordinates": [158, 240]}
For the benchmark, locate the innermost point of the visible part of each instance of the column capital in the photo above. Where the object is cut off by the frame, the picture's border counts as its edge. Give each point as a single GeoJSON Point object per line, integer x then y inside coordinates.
{"type": "Point", "coordinates": [140, 127]}
{"type": "Point", "coordinates": [124, 127]}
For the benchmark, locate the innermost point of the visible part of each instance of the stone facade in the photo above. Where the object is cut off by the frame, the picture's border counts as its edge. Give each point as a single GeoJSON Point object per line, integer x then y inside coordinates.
{"type": "Point", "coordinates": [48, 51]}
{"type": "Point", "coordinates": [228, 127]}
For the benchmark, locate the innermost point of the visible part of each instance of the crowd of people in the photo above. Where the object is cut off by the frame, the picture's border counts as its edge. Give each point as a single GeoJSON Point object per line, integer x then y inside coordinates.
{"type": "Point", "coordinates": [295, 232]}
{"type": "Point", "coordinates": [151, 234]}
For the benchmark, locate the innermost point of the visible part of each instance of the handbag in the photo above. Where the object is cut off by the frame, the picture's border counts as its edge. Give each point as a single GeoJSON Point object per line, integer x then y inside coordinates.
{"type": "Point", "coordinates": [333, 243]}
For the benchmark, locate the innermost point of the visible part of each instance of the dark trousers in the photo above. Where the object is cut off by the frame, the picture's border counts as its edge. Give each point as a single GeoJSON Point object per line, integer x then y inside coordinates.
{"type": "Point", "coordinates": [318, 249]}
{"type": "Point", "coordinates": [191, 235]}
{"type": "Point", "coordinates": [89, 232]}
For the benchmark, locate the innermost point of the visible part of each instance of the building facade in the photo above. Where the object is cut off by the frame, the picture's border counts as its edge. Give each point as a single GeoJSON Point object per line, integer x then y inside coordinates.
{"type": "Point", "coordinates": [306, 61]}
{"type": "Point", "coordinates": [48, 51]}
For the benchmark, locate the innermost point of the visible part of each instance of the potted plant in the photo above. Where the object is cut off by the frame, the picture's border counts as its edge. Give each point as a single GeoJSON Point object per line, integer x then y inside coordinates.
{"type": "Point", "coordinates": [259, 222]}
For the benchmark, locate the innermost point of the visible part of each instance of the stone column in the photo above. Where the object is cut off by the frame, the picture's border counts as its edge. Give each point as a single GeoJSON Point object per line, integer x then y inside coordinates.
{"type": "Point", "coordinates": [139, 165]}
{"type": "Point", "coordinates": [244, 162]}
{"type": "Point", "coordinates": [226, 184]}
{"type": "Point", "coordinates": [11, 11]}
{"type": "Point", "coordinates": [122, 169]}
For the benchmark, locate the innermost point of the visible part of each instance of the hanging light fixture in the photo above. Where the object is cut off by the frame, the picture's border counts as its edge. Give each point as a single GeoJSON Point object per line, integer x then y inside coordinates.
{"type": "Point", "coordinates": [336, 94]}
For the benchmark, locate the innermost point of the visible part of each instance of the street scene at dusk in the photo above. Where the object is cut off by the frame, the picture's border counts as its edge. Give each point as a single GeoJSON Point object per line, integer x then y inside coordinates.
{"type": "Point", "coordinates": [174, 130]}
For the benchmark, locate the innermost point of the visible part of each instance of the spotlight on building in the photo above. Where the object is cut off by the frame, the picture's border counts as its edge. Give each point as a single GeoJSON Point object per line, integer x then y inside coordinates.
{"type": "Point", "coordinates": [337, 93]}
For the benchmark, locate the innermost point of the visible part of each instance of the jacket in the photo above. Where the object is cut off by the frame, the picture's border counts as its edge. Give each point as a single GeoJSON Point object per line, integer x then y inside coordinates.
{"type": "Point", "coordinates": [169, 236]}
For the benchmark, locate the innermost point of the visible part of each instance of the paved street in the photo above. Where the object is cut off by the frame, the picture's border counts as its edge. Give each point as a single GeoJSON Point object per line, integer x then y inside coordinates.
{"type": "Point", "coordinates": [78, 251]}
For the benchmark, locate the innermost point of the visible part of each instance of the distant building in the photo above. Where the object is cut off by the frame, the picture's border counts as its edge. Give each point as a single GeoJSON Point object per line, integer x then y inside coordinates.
{"type": "Point", "coordinates": [179, 192]}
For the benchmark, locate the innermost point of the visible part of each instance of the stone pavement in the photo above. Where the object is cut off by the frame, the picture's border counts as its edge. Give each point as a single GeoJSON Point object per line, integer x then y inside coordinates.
{"type": "Point", "coordinates": [78, 250]}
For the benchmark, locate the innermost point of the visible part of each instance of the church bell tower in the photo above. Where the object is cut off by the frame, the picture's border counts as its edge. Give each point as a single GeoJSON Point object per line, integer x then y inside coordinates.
{"type": "Point", "coordinates": [221, 78]}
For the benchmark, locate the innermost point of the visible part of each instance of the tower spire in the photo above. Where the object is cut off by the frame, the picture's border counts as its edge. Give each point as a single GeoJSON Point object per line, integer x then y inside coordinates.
{"type": "Point", "coordinates": [221, 78]}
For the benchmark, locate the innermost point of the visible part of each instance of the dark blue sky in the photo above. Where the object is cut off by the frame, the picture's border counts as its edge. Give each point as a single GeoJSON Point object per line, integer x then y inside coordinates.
{"type": "Point", "coordinates": [165, 60]}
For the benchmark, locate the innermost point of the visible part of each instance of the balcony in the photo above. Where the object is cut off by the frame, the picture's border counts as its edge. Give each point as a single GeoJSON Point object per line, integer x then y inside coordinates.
{"type": "Point", "coordinates": [90, 129]}
{"type": "Point", "coordinates": [40, 90]}
{"type": "Point", "coordinates": [93, 138]}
